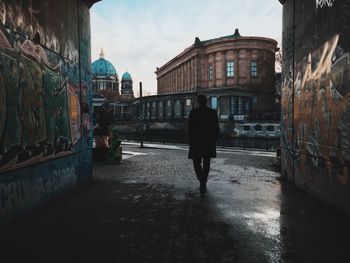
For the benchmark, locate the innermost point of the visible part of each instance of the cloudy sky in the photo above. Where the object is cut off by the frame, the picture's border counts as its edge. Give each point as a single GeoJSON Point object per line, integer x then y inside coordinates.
{"type": "Point", "coordinates": [140, 35]}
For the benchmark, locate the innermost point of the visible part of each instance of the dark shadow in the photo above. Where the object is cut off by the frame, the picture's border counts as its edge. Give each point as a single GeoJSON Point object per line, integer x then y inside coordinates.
{"type": "Point", "coordinates": [312, 231]}
{"type": "Point", "coordinates": [127, 223]}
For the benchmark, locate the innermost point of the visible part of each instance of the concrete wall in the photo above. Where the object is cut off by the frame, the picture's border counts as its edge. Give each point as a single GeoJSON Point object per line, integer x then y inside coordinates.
{"type": "Point", "coordinates": [316, 98]}
{"type": "Point", "coordinates": [45, 101]}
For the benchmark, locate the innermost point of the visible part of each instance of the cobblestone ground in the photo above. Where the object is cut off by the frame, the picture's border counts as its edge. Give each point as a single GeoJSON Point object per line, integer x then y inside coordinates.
{"type": "Point", "coordinates": [148, 209]}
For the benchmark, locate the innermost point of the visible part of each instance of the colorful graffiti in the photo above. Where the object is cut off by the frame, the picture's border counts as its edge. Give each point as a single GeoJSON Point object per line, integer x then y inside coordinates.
{"type": "Point", "coordinates": [43, 111]}
{"type": "Point", "coordinates": [45, 101]}
{"type": "Point", "coordinates": [315, 123]}
{"type": "Point", "coordinates": [321, 106]}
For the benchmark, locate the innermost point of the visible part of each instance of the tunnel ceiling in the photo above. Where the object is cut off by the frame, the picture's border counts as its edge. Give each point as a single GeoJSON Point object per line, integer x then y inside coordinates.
{"type": "Point", "coordinates": [91, 2]}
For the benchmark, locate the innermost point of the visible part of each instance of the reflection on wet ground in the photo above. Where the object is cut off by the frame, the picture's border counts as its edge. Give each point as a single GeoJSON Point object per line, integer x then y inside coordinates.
{"type": "Point", "coordinates": [148, 209]}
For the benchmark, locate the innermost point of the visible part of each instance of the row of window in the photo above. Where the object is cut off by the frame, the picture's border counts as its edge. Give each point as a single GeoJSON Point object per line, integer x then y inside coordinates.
{"type": "Point", "coordinates": [236, 107]}
{"type": "Point", "coordinates": [228, 107]}
{"type": "Point", "coordinates": [167, 109]}
{"type": "Point", "coordinates": [103, 85]}
{"type": "Point", "coordinates": [256, 129]}
{"type": "Point", "coordinates": [230, 69]}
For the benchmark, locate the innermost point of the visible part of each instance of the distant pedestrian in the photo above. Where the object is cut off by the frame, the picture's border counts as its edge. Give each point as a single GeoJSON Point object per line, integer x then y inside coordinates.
{"type": "Point", "coordinates": [203, 132]}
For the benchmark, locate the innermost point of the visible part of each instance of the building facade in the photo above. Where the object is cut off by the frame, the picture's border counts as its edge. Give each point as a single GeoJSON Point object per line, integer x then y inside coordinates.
{"type": "Point", "coordinates": [236, 72]}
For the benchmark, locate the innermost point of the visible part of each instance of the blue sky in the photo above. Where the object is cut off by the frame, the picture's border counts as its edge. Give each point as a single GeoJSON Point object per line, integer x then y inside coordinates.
{"type": "Point", "coordinates": [140, 35]}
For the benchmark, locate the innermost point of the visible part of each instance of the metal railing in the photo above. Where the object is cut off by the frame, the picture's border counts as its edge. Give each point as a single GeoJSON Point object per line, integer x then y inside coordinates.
{"type": "Point", "coordinates": [180, 137]}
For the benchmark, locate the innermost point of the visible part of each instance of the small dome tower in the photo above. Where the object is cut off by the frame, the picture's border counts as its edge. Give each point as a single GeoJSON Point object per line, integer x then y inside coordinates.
{"type": "Point", "coordinates": [126, 88]}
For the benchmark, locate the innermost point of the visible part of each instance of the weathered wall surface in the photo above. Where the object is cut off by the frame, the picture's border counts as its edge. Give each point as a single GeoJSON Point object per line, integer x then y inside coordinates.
{"type": "Point", "coordinates": [45, 101]}
{"type": "Point", "coordinates": [316, 105]}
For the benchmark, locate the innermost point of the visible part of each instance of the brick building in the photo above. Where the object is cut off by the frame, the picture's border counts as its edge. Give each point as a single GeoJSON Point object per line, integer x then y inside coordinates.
{"type": "Point", "coordinates": [237, 73]}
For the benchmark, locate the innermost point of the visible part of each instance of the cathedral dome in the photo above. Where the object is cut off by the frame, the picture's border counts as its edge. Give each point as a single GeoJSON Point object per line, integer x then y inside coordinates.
{"type": "Point", "coordinates": [126, 76]}
{"type": "Point", "coordinates": [103, 67]}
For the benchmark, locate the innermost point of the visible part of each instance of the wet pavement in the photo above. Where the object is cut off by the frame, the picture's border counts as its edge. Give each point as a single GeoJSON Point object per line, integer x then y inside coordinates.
{"type": "Point", "coordinates": [148, 209]}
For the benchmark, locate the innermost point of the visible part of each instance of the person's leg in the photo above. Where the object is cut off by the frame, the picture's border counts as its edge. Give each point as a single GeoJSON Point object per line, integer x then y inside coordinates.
{"type": "Point", "coordinates": [206, 168]}
{"type": "Point", "coordinates": [197, 163]}
{"type": "Point", "coordinates": [198, 168]}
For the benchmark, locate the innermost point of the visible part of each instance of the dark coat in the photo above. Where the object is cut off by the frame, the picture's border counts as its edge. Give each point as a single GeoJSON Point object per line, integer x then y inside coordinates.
{"type": "Point", "coordinates": [203, 132]}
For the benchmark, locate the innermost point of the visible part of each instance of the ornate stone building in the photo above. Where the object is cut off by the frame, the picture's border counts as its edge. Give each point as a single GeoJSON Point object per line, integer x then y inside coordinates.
{"type": "Point", "coordinates": [105, 79]}
{"type": "Point", "coordinates": [236, 72]}
{"type": "Point", "coordinates": [105, 84]}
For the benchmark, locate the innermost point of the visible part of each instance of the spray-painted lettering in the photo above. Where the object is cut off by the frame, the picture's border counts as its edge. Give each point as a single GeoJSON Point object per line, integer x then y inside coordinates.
{"type": "Point", "coordinates": [323, 3]}
{"type": "Point", "coordinates": [22, 194]}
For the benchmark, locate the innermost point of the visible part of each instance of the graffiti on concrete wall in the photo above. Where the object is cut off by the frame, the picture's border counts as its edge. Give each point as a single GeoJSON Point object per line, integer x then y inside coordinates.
{"type": "Point", "coordinates": [27, 18]}
{"type": "Point", "coordinates": [43, 108]}
{"type": "Point", "coordinates": [19, 194]}
{"type": "Point", "coordinates": [321, 112]}
{"type": "Point", "coordinates": [45, 101]}
{"type": "Point", "coordinates": [324, 3]}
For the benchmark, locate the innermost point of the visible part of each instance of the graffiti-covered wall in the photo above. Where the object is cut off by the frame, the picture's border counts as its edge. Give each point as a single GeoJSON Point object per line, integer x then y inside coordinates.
{"type": "Point", "coordinates": [316, 98]}
{"type": "Point", "coordinates": [45, 101]}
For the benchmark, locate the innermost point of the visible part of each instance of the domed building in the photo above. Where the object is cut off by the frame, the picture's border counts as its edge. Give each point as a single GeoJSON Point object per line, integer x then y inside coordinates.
{"type": "Point", "coordinates": [105, 85]}
{"type": "Point", "coordinates": [126, 88]}
{"type": "Point", "coordinates": [105, 78]}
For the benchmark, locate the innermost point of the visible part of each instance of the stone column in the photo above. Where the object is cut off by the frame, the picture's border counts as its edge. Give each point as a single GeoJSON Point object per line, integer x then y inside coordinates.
{"type": "Point", "coordinates": [173, 88]}
{"type": "Point", "coordinates": [160, 87]}
{"type": "Point", "coordinates": [167, 86]}
{"type": "Point", "coordinates": [191, 74]}
{"type": "Point", "coordinates": [174, 79]}
{"type": "Point", "coordinates": [214, 70]}
{"type": "Point", "coordinates": [187, 75]}
{"type": "Point", "coordinates": [169, 82]}
{"type": "Point", "coordinates": [184, 76]}
{"type": "Point", "coordinates": [178, 78]}
{"type": "Point", "coordinates": [162, 84]}
{"type": "Point", "coordinates": [195, 72]}
{"type": "Point", "coordinates": [237, 67]}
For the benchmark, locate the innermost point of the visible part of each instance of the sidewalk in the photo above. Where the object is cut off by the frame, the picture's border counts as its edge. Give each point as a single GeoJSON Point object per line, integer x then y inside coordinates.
{"type": "Point", "coordinates": [172, 146]}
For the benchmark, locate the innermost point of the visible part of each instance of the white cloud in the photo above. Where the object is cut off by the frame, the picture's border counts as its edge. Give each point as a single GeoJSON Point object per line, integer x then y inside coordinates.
{"type": "Point", "coordinates": [141, 35]}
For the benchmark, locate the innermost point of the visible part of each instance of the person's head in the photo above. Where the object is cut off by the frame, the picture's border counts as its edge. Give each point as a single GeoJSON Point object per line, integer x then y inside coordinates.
{"type": "Point", "coordinates": [202, 100]}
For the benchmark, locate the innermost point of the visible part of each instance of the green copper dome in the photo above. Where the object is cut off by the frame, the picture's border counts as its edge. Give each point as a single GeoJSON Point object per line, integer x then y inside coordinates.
{"type": "Point", "coordinates": [103, 67]}
{"type": "Point", "coordinates": [126, 76]}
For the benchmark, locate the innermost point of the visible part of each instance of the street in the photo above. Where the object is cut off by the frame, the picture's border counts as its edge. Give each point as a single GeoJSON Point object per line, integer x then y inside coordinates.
{"type": "Point", "coordinates": [148, 209]}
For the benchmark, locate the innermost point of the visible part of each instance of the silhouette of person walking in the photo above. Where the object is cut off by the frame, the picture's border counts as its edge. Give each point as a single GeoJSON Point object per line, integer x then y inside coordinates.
{"type": "Point", "coordinates": [203, 131]}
